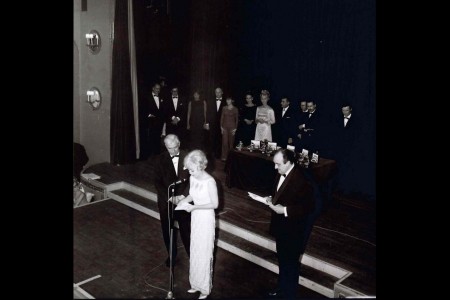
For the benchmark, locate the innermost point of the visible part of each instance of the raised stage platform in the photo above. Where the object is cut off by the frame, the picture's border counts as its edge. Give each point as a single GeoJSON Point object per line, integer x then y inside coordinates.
{"type": "Point", "coordinates": [341, 254]}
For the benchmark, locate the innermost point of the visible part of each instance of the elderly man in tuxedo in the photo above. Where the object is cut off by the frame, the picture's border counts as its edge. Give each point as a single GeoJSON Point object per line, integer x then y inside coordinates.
{"type": "Point", "coordinates": [291, 202]}
{"type": "Point", "coordinates": [169, 169]}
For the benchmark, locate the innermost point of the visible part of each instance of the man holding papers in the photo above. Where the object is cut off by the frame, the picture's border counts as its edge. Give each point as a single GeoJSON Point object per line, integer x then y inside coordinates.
{"type": "Point", "coordinates": [291, 202]}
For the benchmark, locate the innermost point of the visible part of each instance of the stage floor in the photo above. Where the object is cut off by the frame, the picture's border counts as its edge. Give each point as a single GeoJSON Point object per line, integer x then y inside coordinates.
{"type": "Point", "coordinates": [125, 247]}
{"type": "Point", "coordinates": [344, 235]}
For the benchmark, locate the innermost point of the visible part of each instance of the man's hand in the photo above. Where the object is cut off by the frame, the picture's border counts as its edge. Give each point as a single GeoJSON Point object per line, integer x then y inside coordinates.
{"type": "Point", "coordinates": [279, 209]}
{"type": "Point", "coordinates": [233, 131]}
{"type": "Point", "coordinates": [151, 116]}
{"type": "Point", "coordinates": [289, 140]}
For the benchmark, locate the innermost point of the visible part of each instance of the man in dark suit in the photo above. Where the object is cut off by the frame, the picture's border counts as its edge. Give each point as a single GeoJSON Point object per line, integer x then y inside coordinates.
{"type": "Point", "coordinates": [346, 134]}
{"type": "Point", "coordinates": [213, 114]}
{"type": "Point", "coordinates": [313, 130]}
{"type": "Point", "coordinates": [291, 204]}
{"type": "Point", "coordinates": [169, 169]}
{"type": "Point", "coordinates": [302, 118]}
{"type": "Point", "coordinates": [155, 117]}
{"type": "Point", "coordinates": [175, 115]}
{"type": "Point", "coordinates": [287, 124]}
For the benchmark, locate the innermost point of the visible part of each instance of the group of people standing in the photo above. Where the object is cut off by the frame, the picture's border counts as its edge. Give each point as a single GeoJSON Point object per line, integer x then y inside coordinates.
{"type": "Point", "coordinates": [291, 203]}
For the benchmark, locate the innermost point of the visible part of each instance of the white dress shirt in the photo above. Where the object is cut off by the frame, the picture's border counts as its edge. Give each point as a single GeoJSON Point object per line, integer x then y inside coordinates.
{"type": "Point", "coordinates": [218, 101]}
{"type": "Point", "coordinates": [284, 111]}
{"type": "Point", "coordinates": [175, 163]}
{"type": "Point", "coordinates": [282, 178]}
{"type": "Point", "coordinates": [346, 119]}
{"type": "Point", "coordinates": [175, 102]}
{"type": "Point", "coordinates": [156, 98]}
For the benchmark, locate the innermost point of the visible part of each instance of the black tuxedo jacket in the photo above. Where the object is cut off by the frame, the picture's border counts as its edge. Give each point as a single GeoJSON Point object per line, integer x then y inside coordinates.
{"type": "Point", "coordinates": [345, 137]}
{"type": "Point", "coordinates": [212, 115]}
{"type": "Point", "coordinates": [180, 112]}
{"type": "Point", "coordinates": [287, 125]}
{"type": "Point", "coordinates": [297, 195]}
{"type": "Point", "coordinates": [157, 121]}
{"type": "Point", "coordinates": [165, 175]}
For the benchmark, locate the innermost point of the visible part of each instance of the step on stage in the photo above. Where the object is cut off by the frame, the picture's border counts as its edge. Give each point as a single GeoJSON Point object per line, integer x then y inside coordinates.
{"type": "Point", "coordinates": [115, 238]}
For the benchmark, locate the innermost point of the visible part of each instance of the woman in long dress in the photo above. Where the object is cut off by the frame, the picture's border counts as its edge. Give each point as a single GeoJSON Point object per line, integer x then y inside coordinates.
{"type": "Point", "coordinates": [247, 114]}
{"type": "Point", "coordinates": [203, 192]}
{"type": "Point", "coordinates": [196, 119]}
{"type": "Point", "coordinates": [265, 117]}
{"type": "Point", "coordinates": [228, 125]}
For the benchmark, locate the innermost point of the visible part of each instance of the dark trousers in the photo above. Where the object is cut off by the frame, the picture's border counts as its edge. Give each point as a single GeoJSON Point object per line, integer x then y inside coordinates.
{"type": "Point", "coordinates": [184, 222]}
{"type": "Point", "coordinates": [289, 250]}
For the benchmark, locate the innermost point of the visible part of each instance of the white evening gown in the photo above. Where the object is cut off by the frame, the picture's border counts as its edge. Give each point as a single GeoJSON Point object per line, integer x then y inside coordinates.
{"type": "Point", "coordinates": [264, 130]}
{"type": "Point", "coordinates": [203, 224]}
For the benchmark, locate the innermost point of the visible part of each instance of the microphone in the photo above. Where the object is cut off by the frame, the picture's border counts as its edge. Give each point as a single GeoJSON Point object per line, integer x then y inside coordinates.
{"type": "Point", "coordinates": [179, 181]}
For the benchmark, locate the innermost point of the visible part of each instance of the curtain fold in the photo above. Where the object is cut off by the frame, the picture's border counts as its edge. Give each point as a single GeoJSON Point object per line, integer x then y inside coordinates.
{"type": "Point", "coordinates": [123, 142]}
{"type": "Point", "coordinates": [134, 82]}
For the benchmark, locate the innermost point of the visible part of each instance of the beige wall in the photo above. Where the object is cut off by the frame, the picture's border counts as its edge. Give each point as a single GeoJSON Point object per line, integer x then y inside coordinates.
{"type": "Point", "coordinates": [92, 127]}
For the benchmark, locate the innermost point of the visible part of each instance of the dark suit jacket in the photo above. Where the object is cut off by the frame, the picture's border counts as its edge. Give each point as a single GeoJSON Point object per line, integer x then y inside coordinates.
{"type": "Point", "coordinates": [180, 112]}
{"type": "Point", "coordinates": [287, 125]}
{"type": "Point", "coordinates": [157, 122]}
{"type": "Point", "coordinates": [297, 195]}
{"type": "Point", "coordinates": [212, 115]}
{"type": "Point", "coordinates": [165, 175]}
{"type": "Point", "coordinates": [345, 137]}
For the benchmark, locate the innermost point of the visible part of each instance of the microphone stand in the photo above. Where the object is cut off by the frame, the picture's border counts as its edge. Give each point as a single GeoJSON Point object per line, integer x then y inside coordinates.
{"type": "Point", "coordinates": [171, 223]}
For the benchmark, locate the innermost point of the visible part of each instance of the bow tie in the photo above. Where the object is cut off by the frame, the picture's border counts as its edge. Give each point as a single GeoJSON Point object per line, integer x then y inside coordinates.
{"type": "Point", "coordinates": [217, 99]}
{"type": "Point", "coordinates": [284, 175]}
{"type": "Point", "coordinates": [174, 156]}
{"type": "Point", "coordinates": [346, 118]}
{"type": "Point", "coordinates": [174, 97]}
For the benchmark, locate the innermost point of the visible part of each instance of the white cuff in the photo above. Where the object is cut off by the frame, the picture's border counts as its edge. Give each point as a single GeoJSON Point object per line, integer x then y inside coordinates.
{"type": "Point", "coordinates": [285, 211]}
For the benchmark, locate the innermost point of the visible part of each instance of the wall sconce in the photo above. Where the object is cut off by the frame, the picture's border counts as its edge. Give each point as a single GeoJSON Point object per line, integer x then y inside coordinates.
{"type": "Point", "coordinates": [94, 98]}
{"type": "Point", "coordinates": [93, 41]}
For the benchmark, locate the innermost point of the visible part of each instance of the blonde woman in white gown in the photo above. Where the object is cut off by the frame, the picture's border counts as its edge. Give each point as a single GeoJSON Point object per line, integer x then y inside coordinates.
{"type": "Point", "coordinates": [203, 192]}
{"type": "Point", "coordinates": [265, 117]}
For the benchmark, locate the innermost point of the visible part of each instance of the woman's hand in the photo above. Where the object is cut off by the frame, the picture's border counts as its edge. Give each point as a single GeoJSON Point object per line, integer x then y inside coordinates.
{"type": "Point", "coordinates": [233, 131]}
{"type": "Point", "coordinates": [190, 208]}
{"type": "Point", "coordinates": [182, 200]}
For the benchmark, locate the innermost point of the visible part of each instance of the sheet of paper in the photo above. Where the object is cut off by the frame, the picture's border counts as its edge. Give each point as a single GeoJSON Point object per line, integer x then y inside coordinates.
{"type": "Point", "coordinates": [257, 198]}
{"type": "Point", "coordinates": [182, 206]}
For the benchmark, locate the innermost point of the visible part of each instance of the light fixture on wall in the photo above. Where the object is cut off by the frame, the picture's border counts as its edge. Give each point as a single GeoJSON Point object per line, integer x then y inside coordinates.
{"type": "Point", "coordinates": [93, 41]}
{"type": "Point", "coordinates": [94, 98]}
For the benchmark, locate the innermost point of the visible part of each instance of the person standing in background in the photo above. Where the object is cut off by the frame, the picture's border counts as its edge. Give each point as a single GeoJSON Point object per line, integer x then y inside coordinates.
{"type": "Point", "coordinates": [228, 125]}
{"type": "Point", "coordinates": [247, 126]}
{"type": "Point", "coordinates": [196, 120]}
{"type": "Point", "coordinates": [265, 117]}
{"type": "Point", "coordinates": [155, 117]}
{"type": "Point", "coordinates": [214, 109]}
{"type": "Point", "coordinates": [175, 115]}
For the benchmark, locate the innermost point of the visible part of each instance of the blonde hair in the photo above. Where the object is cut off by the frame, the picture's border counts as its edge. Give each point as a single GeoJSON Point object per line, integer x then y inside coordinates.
{"type": "Point", "coordinates": [196, 158]}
